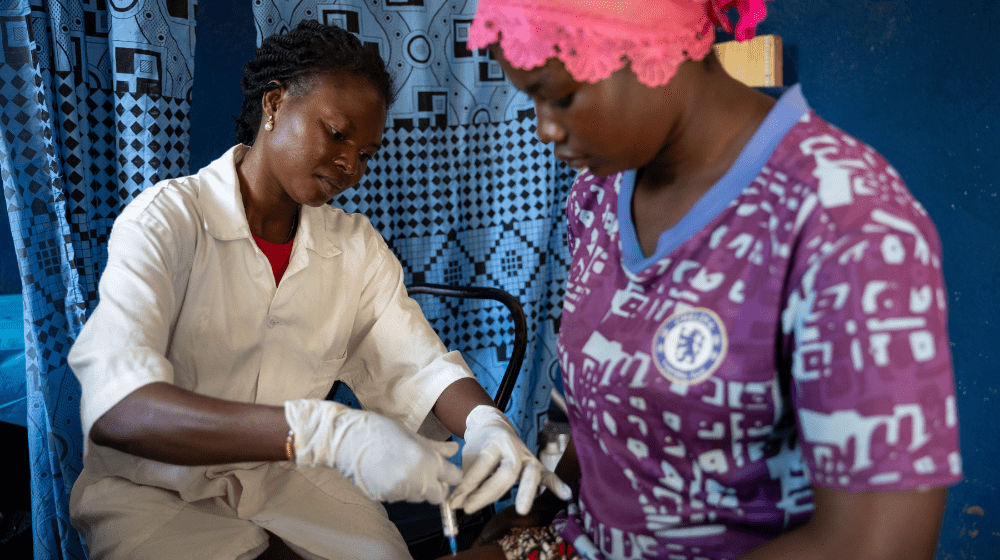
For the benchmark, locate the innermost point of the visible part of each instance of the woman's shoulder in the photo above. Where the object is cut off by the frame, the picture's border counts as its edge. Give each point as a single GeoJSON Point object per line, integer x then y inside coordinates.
{"type": "Point", "coordinates": [845, 178]}
{"type": "Point", "coordinates": [343, 223]}
{"type": "Point", "coordinates": [814, 149]}
{"type": "Point", "coordinates": [212, 189]}
{"type": "Point", "coordinates": [838, 195]}
{"type": "Point", "coordinates": [350, 232]}
{"type": "Point", "coordinates": [171, 197]}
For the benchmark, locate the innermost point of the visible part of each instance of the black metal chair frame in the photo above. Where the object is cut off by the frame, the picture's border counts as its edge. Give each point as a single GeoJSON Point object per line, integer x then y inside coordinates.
{"type": "Point", "coordinates": [520, 345]}
{"type": "Point", "coordinates": [433, 540]}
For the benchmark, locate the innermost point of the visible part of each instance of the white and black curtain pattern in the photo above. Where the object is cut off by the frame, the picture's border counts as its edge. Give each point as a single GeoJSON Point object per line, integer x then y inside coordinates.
{"type": "Point", "coordinates": [94, 103]}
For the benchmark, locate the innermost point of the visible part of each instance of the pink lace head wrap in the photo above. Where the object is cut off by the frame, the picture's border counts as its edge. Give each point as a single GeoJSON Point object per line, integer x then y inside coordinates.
{"type": "Point", "coordinates": [593, 38]}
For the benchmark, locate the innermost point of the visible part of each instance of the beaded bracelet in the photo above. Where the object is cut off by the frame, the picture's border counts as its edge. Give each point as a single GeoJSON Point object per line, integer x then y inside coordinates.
{"type": "Point", "coordinates": [290, 446]}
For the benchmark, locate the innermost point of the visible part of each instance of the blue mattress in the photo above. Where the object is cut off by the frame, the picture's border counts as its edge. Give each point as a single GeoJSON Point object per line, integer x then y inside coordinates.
{"type": "Point", "coordinates": [13, 382]}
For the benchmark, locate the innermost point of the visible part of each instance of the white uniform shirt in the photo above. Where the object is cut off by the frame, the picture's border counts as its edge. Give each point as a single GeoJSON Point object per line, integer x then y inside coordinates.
{"type": "Point", "coordinates": [188, 298]}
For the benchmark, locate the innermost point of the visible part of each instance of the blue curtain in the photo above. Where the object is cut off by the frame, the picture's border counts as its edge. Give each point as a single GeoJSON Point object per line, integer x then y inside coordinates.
{"type": "Point", "coordinates": [462, 190]}
{"type": "Point", "coordinates": [94, 102]}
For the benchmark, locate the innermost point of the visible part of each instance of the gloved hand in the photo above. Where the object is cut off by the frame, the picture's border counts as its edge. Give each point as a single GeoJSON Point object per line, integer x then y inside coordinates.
{"type": "Point", "coordinates": [385, 459]}
{"type": "Point", "coordinates": [492, 443]}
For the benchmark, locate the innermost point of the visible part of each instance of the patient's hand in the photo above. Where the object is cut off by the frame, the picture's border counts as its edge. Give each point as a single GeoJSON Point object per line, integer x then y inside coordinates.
{"type": "Point", "coordinates": [542, 512]}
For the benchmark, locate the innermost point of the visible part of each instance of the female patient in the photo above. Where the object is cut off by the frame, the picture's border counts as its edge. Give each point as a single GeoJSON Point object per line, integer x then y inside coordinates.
{"type": "Point", "coordinates": [231, 302]}
{"type": "Point", "coordinates": [753, 339]}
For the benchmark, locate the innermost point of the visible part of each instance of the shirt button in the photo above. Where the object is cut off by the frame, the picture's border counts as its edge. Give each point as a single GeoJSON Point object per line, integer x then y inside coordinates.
{"type": "Point", "coordinates": [271, 321]}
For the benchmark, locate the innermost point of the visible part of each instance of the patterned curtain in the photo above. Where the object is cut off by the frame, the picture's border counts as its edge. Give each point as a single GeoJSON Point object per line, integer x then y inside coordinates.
{"type": "Point", "coordinates": [94, 102]}
{"type": "Point", "coordinates": [462, 190]}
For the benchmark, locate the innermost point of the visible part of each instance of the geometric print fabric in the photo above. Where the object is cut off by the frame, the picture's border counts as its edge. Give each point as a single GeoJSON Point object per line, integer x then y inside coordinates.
{"type": "Point", "coordinates": [94, 104]}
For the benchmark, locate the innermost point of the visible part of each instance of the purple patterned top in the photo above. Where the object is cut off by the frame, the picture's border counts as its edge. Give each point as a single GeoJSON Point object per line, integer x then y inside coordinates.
{"type": "Point", "coordinates": [790, 330]}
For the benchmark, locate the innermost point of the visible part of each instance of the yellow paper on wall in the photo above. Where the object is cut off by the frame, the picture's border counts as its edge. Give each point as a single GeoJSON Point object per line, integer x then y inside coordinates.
{"type": "Point", "coordinates": [756, 63]}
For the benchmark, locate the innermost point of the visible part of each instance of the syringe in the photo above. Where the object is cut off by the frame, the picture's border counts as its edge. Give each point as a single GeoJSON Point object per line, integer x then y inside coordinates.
{"type": "Point", "coordinates": [450, 525]}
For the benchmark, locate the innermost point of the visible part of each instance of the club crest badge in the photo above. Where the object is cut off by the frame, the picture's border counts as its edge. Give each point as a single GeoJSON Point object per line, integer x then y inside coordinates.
{"type": "Point", "coordinates": [689, 346]}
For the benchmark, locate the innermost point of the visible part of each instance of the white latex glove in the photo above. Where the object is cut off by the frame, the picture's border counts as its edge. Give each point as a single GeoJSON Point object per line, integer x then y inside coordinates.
{"type": "Point", "coordinates": [492, 446]}
{"type": "Point", "coordinates": [385, 459]}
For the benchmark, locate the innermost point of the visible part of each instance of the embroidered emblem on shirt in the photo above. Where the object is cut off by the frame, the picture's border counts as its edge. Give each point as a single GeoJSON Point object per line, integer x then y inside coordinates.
{"type": "Point", "coordinates": [689, 346]}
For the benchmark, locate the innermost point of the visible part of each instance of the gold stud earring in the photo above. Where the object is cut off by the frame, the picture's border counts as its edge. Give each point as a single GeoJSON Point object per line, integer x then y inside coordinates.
{"type": "Point", "coordinates": [269, 125]}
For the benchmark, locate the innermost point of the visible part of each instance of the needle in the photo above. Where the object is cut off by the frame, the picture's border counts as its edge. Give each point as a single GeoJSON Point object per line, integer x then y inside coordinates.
{"type": "Point", "coordinates": [450, 524]}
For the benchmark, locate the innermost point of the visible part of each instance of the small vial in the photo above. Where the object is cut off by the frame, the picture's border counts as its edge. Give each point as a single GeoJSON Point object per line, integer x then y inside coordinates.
{"type": "Point", "coordinates": [550, 456]}
{"type": "Point", "coordinates": [563, 443]}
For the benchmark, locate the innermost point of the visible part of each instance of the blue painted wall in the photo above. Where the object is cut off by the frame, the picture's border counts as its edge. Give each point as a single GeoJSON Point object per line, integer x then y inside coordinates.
{"type": "Point", "coordinates": [919, 81]}
{"type": "Point", "coordinates": [226, 39]}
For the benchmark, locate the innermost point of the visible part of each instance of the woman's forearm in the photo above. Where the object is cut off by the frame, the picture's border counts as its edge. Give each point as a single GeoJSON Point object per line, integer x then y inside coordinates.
{"type": "Point", "coordinates": [890, 525]}
{"type": "Point", "coordinates": [165, 423]}
{"type": "Point", "coordinates": [457, 401]}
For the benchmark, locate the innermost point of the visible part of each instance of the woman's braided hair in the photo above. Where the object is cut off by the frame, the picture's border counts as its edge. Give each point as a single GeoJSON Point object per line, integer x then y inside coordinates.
{"type": "Point", "coordinates": [295, 57]}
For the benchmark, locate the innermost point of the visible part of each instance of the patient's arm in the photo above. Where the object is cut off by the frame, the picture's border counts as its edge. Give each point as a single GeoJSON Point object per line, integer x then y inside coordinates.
{"type": "Point", "coordinates": [165, 423]}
